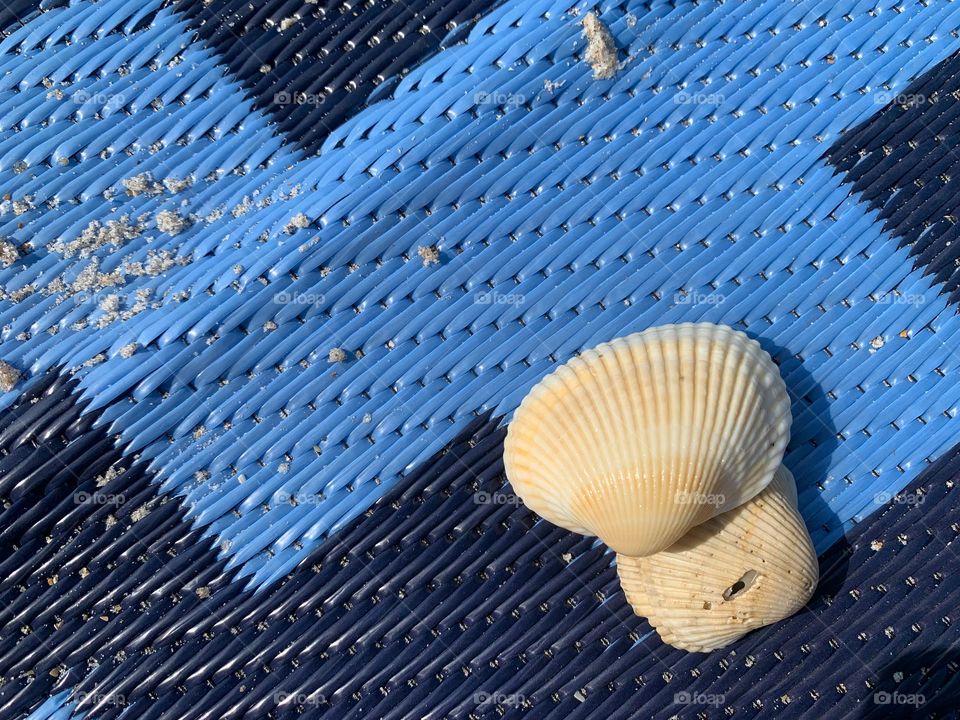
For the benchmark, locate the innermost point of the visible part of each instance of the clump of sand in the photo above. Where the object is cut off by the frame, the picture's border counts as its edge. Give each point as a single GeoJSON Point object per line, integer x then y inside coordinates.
{"type": "Point", "coordinates": [142, 184]}
{"type": "Point", "coordinates": [9, 377]}
{"type": "Point", "coordinates": [297, 222]}
{"type": "Point", "coordinates": [429, 255]}
{"type": "Point", "coordinates": [170, 222]}
{"type": "Point", "coordinates": [336, 355]}
{"type": "Point", "coordinates": [8, 253]}
{"type": "Point", "coordinates": [601, 52]}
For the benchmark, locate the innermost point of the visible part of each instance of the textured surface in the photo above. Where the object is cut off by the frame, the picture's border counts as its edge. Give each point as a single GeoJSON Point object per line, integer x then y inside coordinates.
{"type": "Point", "coordinates": [273, 323]}
{"type": "Point", "coordinates": [448, 599]}
{"type": "Point", "coordinates": [903, 162]}
{"type": "Point", "coordinates": [314, 64]}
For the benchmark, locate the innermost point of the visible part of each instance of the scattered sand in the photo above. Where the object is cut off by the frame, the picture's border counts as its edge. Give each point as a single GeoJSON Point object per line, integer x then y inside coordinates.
{"type": "Point", "coordinates": [877, 343]}
{"type": "Point", "coordinates": [157, 262]}
{"type": "Point", "coordinates": [18, 295]}
{"type": "Point", "coordinates": [95, 235]}
{"type": "Point", "coordinates": [142, 184]}
{"type": "Point", "coordinates": [9, 377]}
{"type": "Point", "coordinates": [22, 206]}
{"type": "Point", "coordinates": [336, 355]}
{"type": "Point", "coordinates": [128, 350]}
{"type": "Point", "coordinates": [203, 592]}
{"type": "Point", "coordinates": [243, 208]}
{"type": "Point", "coordinates": [8, 253]}
{"type": "Point", "coordinates": [429, 254]}
{"type": "Point", "coordinates": [176, 185]}
{"type": "Point", "coordinates": [601, 54]}
{"type": "Point", "coordinates": [90, 278]}
{"type": "Point", "coordinates": [111, 474]}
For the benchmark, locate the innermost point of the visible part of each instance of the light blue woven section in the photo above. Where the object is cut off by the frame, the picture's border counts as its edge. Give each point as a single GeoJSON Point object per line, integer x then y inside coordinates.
{"type": "Point", "coordinates": [566, 210]}
{"type": "Point", "coordinates": [58, 707]}
{"type": "Point", "coordinates": [75, 122]}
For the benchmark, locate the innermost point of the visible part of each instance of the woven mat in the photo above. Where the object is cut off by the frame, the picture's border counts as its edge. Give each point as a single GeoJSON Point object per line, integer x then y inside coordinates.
{"type": "Point", "coordinates": [274, 279]}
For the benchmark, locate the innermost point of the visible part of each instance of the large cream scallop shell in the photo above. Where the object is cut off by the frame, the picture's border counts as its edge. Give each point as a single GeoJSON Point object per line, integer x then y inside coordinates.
{"type": "Point", "coordinates": [752, 566]}
{"type": "Point", "coordinates": [640, 439]}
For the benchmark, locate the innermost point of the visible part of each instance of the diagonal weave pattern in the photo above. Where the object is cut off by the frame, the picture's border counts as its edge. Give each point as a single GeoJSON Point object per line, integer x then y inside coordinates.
{"type": "Point", "coordinates": [447, 597]}
{"type": "Point", "coordinates": [313, 65]}
{"type": "Point", "coordinates": [275, 317]}
{"type": "Point", "coordinates": [903, 161]}
{"type": "Point", "coordinates": [550, 237]}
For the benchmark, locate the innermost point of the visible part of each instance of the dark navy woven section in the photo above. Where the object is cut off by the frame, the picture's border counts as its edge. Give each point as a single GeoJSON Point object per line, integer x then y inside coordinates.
{"type": "Point", "coordinates": [14, 12]}
{"type": "Point", "coordinates": [84, 538]}
{"type": "Point", "coordinates": [313, 65]}
{"type": "Point", "coordinates": [447, 598]}
{"type": "Point", "coordinates": [904, 162]}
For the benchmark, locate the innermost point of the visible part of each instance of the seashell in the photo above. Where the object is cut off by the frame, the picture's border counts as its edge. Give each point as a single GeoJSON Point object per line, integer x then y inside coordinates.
{"type": "Point", "coordinates": [752, 566]}
{"type": "Point", "coordinates": [633, 439]}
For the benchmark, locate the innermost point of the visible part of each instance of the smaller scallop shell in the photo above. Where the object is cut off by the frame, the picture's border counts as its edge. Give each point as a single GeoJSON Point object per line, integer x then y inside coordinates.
{"type": "Point", "coordinates": [639, 439]}
{"type": "Point", "coordinates": [752, 566]}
